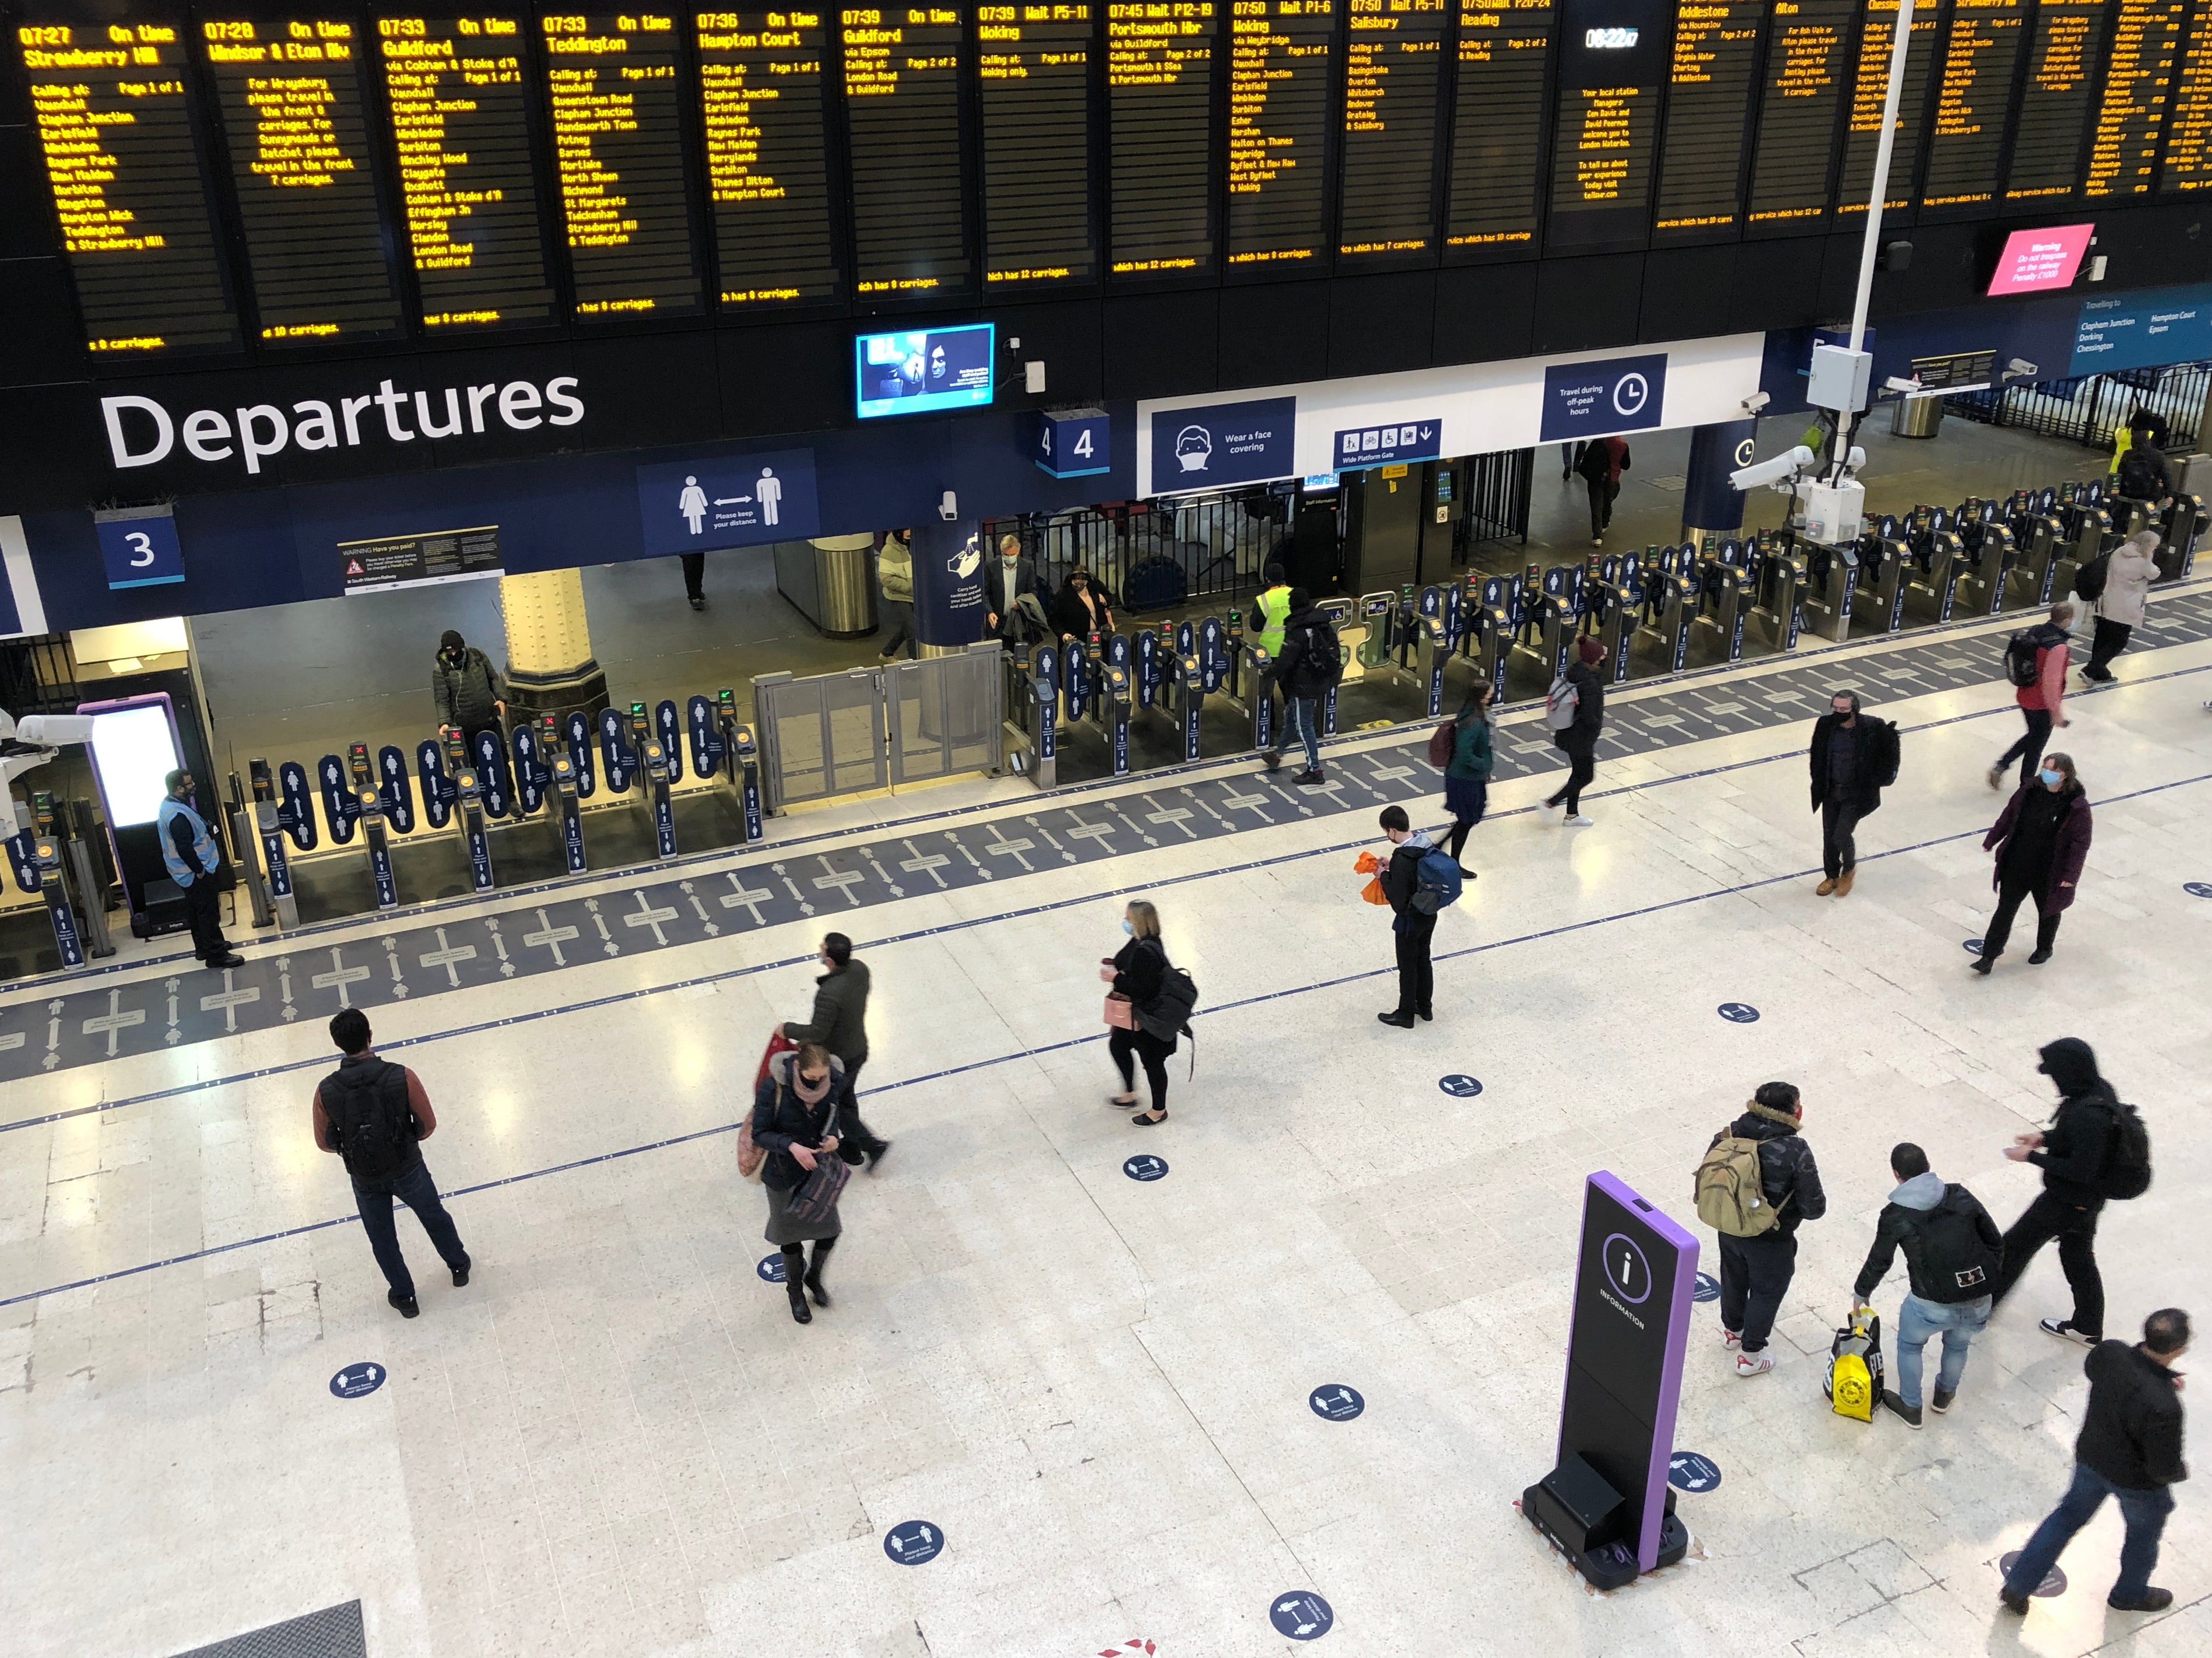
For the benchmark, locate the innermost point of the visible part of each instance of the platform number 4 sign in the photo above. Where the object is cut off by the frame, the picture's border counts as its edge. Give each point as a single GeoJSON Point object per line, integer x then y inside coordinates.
{"type": "Point", "coordinates": [1074, 442]}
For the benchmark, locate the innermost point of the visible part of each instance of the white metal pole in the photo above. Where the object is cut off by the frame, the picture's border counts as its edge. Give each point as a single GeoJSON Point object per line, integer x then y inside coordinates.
{"type": "Point", "coordinates": [1891, 98]}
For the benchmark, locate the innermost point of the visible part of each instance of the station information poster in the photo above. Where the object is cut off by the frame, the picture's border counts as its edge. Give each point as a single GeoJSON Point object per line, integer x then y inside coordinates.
{"type": "Point", "coordinates": [414, 561]}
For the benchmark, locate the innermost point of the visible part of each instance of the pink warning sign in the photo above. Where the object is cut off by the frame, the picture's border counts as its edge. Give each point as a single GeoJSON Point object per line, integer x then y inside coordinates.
{"type": "Point", "coordinates": [2035, 261]}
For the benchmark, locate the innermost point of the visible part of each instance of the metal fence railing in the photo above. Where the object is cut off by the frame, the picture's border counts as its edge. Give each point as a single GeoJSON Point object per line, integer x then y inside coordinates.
{"type": "Point", "coordinates": [2091, 409]}
{"type": "Point", "coordinates": [1220, 543]}
{"type": "Point", "coordinates": [38, 675]}
{"type": "Point", "coordinates": [1497, 486]}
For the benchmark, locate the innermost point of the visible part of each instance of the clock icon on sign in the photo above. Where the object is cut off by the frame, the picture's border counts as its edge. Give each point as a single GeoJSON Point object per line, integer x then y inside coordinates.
{"type": "Point", "coordinates": [1626, 1269]}
{"type": "Point", "coordinates": [1631, 393]}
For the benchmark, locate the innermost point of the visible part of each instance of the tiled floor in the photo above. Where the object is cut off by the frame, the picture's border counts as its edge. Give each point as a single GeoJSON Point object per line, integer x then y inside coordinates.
{"type": "Point", "coordinates": [1095, 1389]}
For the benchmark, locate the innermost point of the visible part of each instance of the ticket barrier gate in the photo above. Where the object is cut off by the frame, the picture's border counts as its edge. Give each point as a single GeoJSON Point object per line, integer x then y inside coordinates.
{"type": "Point", "coordinates": [659, 766]}
{"type": "Point", "coordinates": [2089, 532]}
{"type": "Point", "coordinates": [1485, 636]}
{"type": "Point", "coordinates": [722, 745]}
{"type": "Point", "coordinates": [270, 821]}
{"type": "Point", "coordinates": [2180, 526]}
{"type": "Point", "coordinates": [52, 858]}
{"type": "Point", "coordinates": [1670, 607]}
{"type": "Point", "coordinates": [1937, 560]}
{"type": "Point", "coordinates": [1432, 643]}
{"type": "Point", "coordinates": [2038, 537]}
{"type": "Point", "coordinates": [1884, 559]}
{"type": "Point", "coordinates": [1723, 602]}
{"type": "Point", "coordinates": [1031, 747]}
{"type": "Point", "coordinates": [1546, 627]}
{"type": "Point", "coordinates": [1612, 591]}
{"type": "Point", "coordinates": [1376, 650]}
{"type": "Point", "coordinates": [1831, 586]}
{"type": "Point", "coordinates": [1338, 612]}
{"type": "Point", "coordinates": [1777, 576]}
{"type": "Point", "coordinates": [1987, 554]}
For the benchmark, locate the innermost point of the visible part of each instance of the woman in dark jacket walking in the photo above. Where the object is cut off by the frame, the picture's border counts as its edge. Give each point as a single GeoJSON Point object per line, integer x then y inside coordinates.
{"type": "Point", "coordinates": [794, 1120]}
{"type": "Point", "coordinates": [1579, 740]}
{"type": "Point", "coordinates": [2040, 840]}
{"type": "Point", "coordinates": [1082, 606]}
{"type": "Point", "coordinates": [1135, 971]}
{"type": "Point", "coordinates": [1467, 774]}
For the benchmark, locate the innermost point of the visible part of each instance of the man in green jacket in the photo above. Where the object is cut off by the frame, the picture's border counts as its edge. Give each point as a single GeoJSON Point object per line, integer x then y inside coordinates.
{"type": "Point", "coordinates": [840, 1023]}
{"type": "Point", "coordinates": [1270, 611]}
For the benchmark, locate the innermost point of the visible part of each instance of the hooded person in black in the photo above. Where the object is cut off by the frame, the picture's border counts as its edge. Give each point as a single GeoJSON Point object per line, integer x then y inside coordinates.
{"type": "Point", "coordinates": [2072, 1154]}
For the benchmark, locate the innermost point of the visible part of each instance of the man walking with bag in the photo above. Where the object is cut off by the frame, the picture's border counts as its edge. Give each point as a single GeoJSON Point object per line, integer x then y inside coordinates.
{"type": "Point", "coordinates": [1951, 1249]}
{"type": "Point", "coordinates": [840, 1023]}
{"type": "Point", "coordinates": [1854, 759]}
{"type": "Point", "coordinates": [1758, 1183]}
{"type": "Point", "coordinates": [1412, 928]}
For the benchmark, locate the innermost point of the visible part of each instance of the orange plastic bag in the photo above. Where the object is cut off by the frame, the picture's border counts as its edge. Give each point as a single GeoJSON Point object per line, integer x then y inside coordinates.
{"type": "Point", "coordinates": [1366, 865]}
{"type": "Point", "coordinates": [1372, 892]}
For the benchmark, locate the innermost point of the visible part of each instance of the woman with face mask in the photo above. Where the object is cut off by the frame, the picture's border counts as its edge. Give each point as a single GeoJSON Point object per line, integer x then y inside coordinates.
{"type": "Point", "coordinates": [1135, 972]}
{"type": "Point", "coordinates": [795, 1123]}
{"type": "Point", "coordinates": [2041, 841]}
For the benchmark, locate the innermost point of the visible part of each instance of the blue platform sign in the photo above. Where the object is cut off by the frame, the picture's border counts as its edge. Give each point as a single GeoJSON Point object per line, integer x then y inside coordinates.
{"type": "Point", "coordinates": [1303, 1616]}
{"type": "Point", "coordinates": [1335, 1402]}
{"type": "Point", "coordinates": [732, 501]}
{"type": "Point", "coordinates": [139, 546]}
{"type": "Point", "coordinates": [913, 1542]}
{"type": "Point", "coordinates": [1220, 443]}
{"type": "Point", "coordinates": [1419, 439]}
{"type": "Point", "coordinates": [356, 1381]}
{"type": "Point", "coordinates": [1597, 400]}
{"type": "Point", "coordinates": [1073, 443]}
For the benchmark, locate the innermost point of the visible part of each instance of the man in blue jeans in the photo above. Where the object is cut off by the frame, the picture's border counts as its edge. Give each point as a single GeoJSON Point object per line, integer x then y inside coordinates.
{"type": "Point", "coordinates": [1952, 1249]}
{"type": "Point", "coordinates": [2129, 1448]}
{"type": "Point", "coordinates": [1312, 661]}
{"type": "Point", "coordinates": [374, 1115]}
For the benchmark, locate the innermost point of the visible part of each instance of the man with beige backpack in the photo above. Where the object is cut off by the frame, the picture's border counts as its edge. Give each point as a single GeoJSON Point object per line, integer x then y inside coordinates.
{"type": "Point", "coordinates": [1758, 1183]}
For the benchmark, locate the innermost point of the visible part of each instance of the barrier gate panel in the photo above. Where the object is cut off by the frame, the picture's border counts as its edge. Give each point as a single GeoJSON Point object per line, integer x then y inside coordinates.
{"type": "Point", "coordinates": [945, 715]}
{"type": "Point", "coordinates": [824, 734]}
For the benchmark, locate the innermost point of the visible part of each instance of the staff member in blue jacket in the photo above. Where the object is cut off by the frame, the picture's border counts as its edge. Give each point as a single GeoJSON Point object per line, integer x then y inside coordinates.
{"type": "Point", "coordinates": [190, 854]}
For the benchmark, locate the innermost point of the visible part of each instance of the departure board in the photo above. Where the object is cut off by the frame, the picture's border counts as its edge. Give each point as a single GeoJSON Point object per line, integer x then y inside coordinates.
{"type": "Point", "coordinates": [768, 164]}
{"type": "Point", "coordinates": [1877, 35]}
{"type": "Point", "coordinates": [2139, 72]}
{"type": "Point", "coordinates": [290, 93]}
{"type": "Point", "coordinates": [1034, 63]}
{"type": "Point", "coordinates": [1707, 105]}
{"type": "Point", "coordinates": [1159, 106]}
{"type": "Point", "coordinates": [454, 89]}
{"type": "Point", "coordinates": [619, 151]}
{"type": "Point", "coordinates": [2056, 99]}
{"type": "Point", "coordinates": [1973, 95]}
{"type": "Point", "coordinates": [1614, 56]}
{"type": "Point", "coordinates": [1808, 65]}
{"type": "Point", "coordinates": [2188, 128]}
{"type": "Point", "coordinates": [1278, 96]}
{"type": "Point", "coordinates": [902, 112]}
{"type": "Point", "coordinates": [1497, 124]}
{"type": "Point", "coordinates": [1393, 70]}
{"type": "Point", "coordinates": [115, 136]}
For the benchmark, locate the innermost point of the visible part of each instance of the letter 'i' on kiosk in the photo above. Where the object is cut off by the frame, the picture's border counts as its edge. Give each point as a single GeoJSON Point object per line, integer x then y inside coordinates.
{"type": "Point", "coordinates": [368, 808]}
{"type": "Point", "coordinates": [1607, 1504]}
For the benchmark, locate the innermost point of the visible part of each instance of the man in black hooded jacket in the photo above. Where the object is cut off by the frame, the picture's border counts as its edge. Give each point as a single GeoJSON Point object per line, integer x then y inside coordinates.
{"type": "Point", "coordinates": [1755, 1272]}
{"type": "Point", "coordinates": [2072, 1154]}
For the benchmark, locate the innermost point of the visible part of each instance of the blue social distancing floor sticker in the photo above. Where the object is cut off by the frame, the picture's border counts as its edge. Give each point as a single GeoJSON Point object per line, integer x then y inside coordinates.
{"type": "Point", "coordinates": [1144, 1166]}
{"type": "Point", "coordinates": [771, 1267]}
{"type": "Point", "coordinates": [357, 1380]}
{"type": "Point", "coordinates": [1973, 947]}
{"type": "Point", "coordinates": [1460, 1086]}
{"type": "Point", "coordinates": [1707, 1288]}
{"type": "Point", "coordinates": [913, 1542]}
{"type": "Point", "coordinates": [1336, 1402]}
{"type": "Point", "coordinates": [1686, 1471]}
{"type": "Point", "coordinates": [2198, 888]}
{"type": "Point", "coordinates": [2052, 1585]}
{"type": "Point", "coordinates": [1303, 1616]}
{"type": "Point", "coordinates": [1738, 1013]}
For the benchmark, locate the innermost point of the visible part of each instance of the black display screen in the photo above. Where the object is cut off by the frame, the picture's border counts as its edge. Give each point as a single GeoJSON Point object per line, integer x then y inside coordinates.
{"type": "Point", "coordinates": [1159, 104]}
{"type": "Point", "coordinates": [2056, 99]}
{"type": "Point", "coordinates": [1613, 58]}
{"type": "Point", "coordinates": [111, 107]}
{"type": "Point", "coordinates": [1035, 65]}
{"type": "Point", "coordinates": [1809, 66]}
{"type": "Point", "coordinates": [289, 89]}
{"type": "Point", "coordinates": [1497, 195]}
{"type": "Point", "coordinates": [1966, 148]}
{"type": "Point", "coordinates": [902, 114]}
{"type": "Point", "coordinates": [1279, 129]}
{"type": "Point", "coordinates": [455, 91]}
{"type": "Point", "coordinates": [1393, 72]}
{"type": "Point", "coordinates": [2188, 128]}
{"type": "Point", "coordinates": [1701, 163]}
{"type": "Point", "coordinates": [2139, 74]}
{"type": "Point", "coordinates": [618, 153]}
{"type": "Point", "coordinates": [1862, 139]}
{"type": "Point", "coordinates": [768, 164]}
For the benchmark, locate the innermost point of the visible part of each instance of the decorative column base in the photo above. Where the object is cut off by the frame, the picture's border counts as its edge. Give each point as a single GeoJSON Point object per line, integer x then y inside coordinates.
{"type": "Point", "coordinates": [549, 666]}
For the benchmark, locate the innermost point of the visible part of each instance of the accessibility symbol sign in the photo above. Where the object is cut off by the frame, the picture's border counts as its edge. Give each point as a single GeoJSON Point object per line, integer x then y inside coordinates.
{"type": "Point", "coordinates": [1460, 1086]}
{"type": "Point", "coordinates": [1738, 1013]}
{"type": "Point", "coordinates": [1145, 1167]}
{"type": "Point", "coordinates": [1688, 1471]}
{"type": "Point", "coordinates": [358, 1381]}
{"type": "Point", "coordinates": [1303, 1616]}
{"type": "Point", "coordinates": [1336, 1402]}
{"type": "Point", "coordinates": [913, 1542]}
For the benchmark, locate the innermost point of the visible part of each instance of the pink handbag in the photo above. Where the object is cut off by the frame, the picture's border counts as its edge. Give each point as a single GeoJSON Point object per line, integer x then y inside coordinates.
{"type": "Point", "coordinates": [1120, 1012]}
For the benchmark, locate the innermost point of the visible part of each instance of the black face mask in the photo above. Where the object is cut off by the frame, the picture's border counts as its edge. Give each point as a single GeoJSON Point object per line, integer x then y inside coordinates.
{"type": "Point", "coordinates": [451, 658]}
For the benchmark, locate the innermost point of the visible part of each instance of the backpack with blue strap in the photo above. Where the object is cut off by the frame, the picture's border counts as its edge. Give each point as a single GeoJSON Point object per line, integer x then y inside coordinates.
{"type": "Point", "coordinates": [1436, 880]}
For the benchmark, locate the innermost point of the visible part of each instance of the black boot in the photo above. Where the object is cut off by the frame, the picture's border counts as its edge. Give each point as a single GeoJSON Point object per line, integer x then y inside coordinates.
{"type": "Point", "coordinates": [813, 1279]}
{"type": "Point", "coordinates": [794, 1270]}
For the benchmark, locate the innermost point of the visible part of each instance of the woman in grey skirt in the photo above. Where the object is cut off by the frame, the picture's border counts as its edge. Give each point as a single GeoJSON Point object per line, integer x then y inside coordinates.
{"type": "Point", "coordinates": [794, 1120]}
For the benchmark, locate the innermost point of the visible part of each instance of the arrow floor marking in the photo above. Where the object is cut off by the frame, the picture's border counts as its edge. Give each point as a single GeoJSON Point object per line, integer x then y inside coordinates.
{"type": "Point", "coordinates": [337, 978]}
{"type": "Point", "coordinates": [927, 864]}
{"type": "Point", "coordinates": [391, 953]}
{"type": "Point", "coordinates": [646, 916]}
{"type": "Point", "coordinates": [449, 956]}
{"type": "Point", "coordinates": [114, 1021]}
{"type": "Point", "coordinates": [506, 966]}
{"type": "Point", "coordinates": [229, 998]}
{"type": "Point", "coordinates": [548, 936]}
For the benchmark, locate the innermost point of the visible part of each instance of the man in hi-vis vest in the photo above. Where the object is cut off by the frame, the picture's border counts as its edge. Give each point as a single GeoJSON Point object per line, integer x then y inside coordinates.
{"type": "Point", "coordinates": [190, 853]}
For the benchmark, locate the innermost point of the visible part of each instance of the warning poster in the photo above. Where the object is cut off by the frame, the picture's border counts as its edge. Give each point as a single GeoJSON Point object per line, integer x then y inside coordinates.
{"type": "Point", "coordinates": [414, 561]}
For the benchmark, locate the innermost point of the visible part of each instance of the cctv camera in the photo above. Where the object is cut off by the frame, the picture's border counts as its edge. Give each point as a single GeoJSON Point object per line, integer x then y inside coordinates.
{"type": "Point", "coordinates": [1755, 402]}
{"type": "Point", "coordinates": [1781, 468]}
{"type": "Point", "coordinates": [1897, 383]}
{"type": "Point", "coordinates": [51, 730]}
{"type": "Point", "coordinates": [948, 506]}
{"type": "Point", "coordinates": [2021, 368]}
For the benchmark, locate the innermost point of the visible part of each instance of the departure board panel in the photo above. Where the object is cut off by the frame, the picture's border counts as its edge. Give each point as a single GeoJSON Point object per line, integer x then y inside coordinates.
{"type": "Point", "coordinates": [290, 91]}
{"type": "Point", "coordinates": [1035, 62]}
{"type": "Point", "coordinates": [1612, 59]}
{"type": "Point", "coordinates": [1966, 148]}
{"type": "Point", "coordinates": [1159, 104]}
{"type": "Point", "coordinates": [2188, 128]}
{"type": "Point", "coordinates": [1278, 96]}
{"type": "Point", "coordinates": [767, 163]}
{"type": "Point", "coordinates": [115, 136]}
{"type": "Point", "coordinates": [2139, 73]}
{"type": "Point", "coordinates": [1708, 104]}
{"type": "Point", "coordinates": [1877, 35]}
{"type": "Point", "coordinates": [1809, 66]}
{"type": "Point", "coordinates": [1392, 72]}
{"type": "Point", "coordinates": [619, 151]}
{"type": "Point", "coordinates": [2056, 99]}
{"type": "Point", "coordinates": [454, 90]}
{"type": "Point", "coordinates": [1497, 124]}
{"type": "Point", "coordinates": [902, 112]}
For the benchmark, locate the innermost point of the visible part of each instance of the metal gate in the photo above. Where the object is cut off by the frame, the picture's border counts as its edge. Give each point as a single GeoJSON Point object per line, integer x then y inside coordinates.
{"type": "Point", "coordinates": [878, 727]}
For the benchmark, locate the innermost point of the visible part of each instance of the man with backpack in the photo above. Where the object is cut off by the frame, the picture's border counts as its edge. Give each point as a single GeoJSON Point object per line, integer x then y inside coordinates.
{"type": "Point", "coordinates": [1419, 881]}
{"type": "Point", "coordinates": [1601, 465]}
{"type": "Point", "coordinates": [1757, 1185]}
{"type": "Point", "coordinates": [2144, 474]}
{"type": "Point", "coordinates": [2035, 662]}
{"type": "Point", "coordinates": [1574, 710]}
{"type": "Point", "coordinates": [2095, 1149]}
{"type": "Point", "coordinates": [373, 1115]}
{"type": "Point", "coordinates": [1952, 1249]}
{"type": "Point", "coordinates": [1312, 661]}
{"type": "Point", "coordinates": [1854, 759]}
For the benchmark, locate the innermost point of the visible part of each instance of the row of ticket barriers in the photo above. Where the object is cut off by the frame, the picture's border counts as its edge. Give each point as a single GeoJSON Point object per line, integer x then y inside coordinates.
{"type": "Point", "coordinates": [1658, 610]}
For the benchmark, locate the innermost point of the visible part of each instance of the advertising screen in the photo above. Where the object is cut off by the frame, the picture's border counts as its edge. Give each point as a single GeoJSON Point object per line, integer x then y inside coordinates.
{"type": "Point", "coordinates": [920, 370]}
{"type": "Point", "coordinates": [2034, 260]}
{"type": "Point", "coordinates": [134, 750]}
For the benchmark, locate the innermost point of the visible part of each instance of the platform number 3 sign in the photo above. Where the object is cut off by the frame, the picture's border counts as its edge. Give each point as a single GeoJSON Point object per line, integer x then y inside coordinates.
{"type": "Point", "coordinates": [139, 547]}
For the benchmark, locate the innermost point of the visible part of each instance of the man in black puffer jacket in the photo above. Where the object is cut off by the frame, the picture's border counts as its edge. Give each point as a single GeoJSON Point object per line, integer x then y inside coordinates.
{"type": "Point", "coordinates": [2071, 1153]}
{"type": "Point", "coordinates": [1755, 1272]}
{"type": "Point", "coordinates": [1951, 1248]}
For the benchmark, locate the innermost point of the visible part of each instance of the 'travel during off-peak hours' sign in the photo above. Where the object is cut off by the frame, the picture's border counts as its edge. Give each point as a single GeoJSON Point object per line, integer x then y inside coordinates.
{"type": "Point", "coordinates": [2036, 260]}
{"type": "Point", "coordinates": [690, 506]}
{"type": "Point", "coordinates": [1597, 400]}
{"type": "Point", "coordinates": [1380, 446]}
{"type": "Point", "coordinates": [1220, 443]}
{"type": "Point", "coordinates": [414, 561]}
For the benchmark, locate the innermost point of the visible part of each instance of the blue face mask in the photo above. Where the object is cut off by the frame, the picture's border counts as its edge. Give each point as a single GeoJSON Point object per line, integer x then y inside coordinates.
{"type": "Point", "coordinates": [1128, 927]}
{"type": "Point", "coordinates": [2050, 778]}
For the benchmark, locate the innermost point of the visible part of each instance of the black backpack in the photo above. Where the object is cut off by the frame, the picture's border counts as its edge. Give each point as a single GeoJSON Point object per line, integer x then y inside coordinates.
{"type": "Point", "coordinates": [2126, 1172]}
{"type": "Point", "coordinates": [2138, 478]}
{"type": "Point", "coordinates": [1322, 664]}
{"type": "Point", "coordinates": [371, 1123]}
{"type": "Point", "coordinates": [2089, 580]}
{"type": "Point", "coordinates": [1958, 1257]}
{"type": "Point", "coordinates": [2020, 658]}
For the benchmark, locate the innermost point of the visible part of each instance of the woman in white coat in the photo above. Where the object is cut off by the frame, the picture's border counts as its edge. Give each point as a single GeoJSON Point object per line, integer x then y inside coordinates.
{"type": "Point", "coordinates": [2128, 575]}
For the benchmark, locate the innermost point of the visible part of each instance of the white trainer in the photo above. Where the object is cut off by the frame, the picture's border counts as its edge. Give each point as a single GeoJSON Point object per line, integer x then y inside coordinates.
{"type": "Point", "coordinates": [1753, 1364]}
{"type": "Point", "coordinates": [1579, 821]}
{"type": "Point", "coordinates": [1731, 1339]}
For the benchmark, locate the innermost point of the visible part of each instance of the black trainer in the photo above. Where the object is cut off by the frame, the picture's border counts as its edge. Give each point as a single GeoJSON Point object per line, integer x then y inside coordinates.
{"type": "Point", "coordinates": [2152, 1601]}
{"type": "Point", "coordinates": [407, 1305]}
{"type": "Point", "coordinates": [461, 1275]}
{"type": "Point", "coordinates": [1893, 1402]}
{"type": "Point", "coordinates": [1404, 1021]}
{"type": "Point", "coordinates": [1941, 1402]}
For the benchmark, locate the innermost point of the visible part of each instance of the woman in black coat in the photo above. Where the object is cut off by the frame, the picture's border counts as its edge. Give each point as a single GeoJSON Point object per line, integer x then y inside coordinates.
{"type": "Point", "coordinates": [1579, 740]}
{"type": "Point", "coordinates": [1134, 973]}
{"type": "Point", "coordinates": [1082, 606]}
{"type": "Point", "coordinates": [2041, 840]}
{"type": "Point", "coordinates": [794, 1122]}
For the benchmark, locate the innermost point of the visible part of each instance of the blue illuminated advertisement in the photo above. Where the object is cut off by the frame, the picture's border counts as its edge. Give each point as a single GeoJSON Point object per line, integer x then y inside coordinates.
{"type": "Point", "coordinates": [919, 369]}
